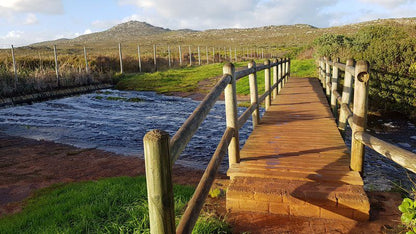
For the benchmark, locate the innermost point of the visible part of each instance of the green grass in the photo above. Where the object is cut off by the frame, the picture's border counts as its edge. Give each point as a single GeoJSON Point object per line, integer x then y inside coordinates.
{"type": "Point", "coordinates": [303, 68]}
{"type": "Point", "coordinates": [186, 79]}
{"type": "Point", "coordinates": [174, 80]}
{"type": "Point", "coordinates": [114, 205]}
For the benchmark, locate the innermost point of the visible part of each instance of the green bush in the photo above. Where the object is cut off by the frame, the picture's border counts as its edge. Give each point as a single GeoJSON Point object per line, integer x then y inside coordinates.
{"type": "Point", "coordinates": [391, 54]}
{"type": "Point", "coordinates": [408, 218]}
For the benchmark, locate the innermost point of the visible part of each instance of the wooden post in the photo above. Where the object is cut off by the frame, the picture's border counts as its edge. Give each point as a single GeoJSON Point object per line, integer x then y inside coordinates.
{"type": "Point", "coordinates": [206, 53]}
{"type": "Point", "coordinates": [159, 182]}
{"type": "Point", "coordinates": [262, 53]}
{"type": "Point", "coordinates": [121, 58]}
{"type": "Point", "coordinates": [180, 56]}
{"type": "Point", "coordinates": [334, 87]}
{"type": "Point", "coordinates": [268, 100]}
{"type": "Point", "coordinates": [346, 95]}
{"type": "Point", "coordinates": [230, 96]}
{"type": "Point", "coordinates": [169, 57]}
{"type": "Point", "coordinates": [14, 68]}
{"type": "Point", "coordinates": [283, 72]}
{"type": "Point", "coordinates": [140, 60]}
{"type": "Point", "coordinates": [235, 55]}
{"type": "Point", "coordinates": [327, 78]}
{"type": "Point", "coordinates": [288, 70]}
{"type": "Point", "coordinates": [86, 60]}
{"type": "Point", "coordinates": [280, 75]}
{"type": "Point", "coordinates": [362, 77]}
{"type": "Point", "coordinates": [199, 57]}
{"type": "Point", "coordinates": [190, 56]}
{"type": "Point", "coordinates": [213, 54]}
{"type": "Point", "coordinates": [154, 57]}
{"type": "Point", "coordinates": [274, 92]}
{"type": "Point", "coordinates": [254, 94]}
{"type": "Point", "coordinates": [56, 66]}
{"type": "Point", "coordinates": [231, 55]}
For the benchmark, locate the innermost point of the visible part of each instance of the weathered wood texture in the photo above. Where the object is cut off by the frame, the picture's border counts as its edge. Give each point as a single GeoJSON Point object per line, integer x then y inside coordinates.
{"type": "Point", "coordinates": [159, 182]}
{"type": "Point", "coordinates": [296, 163]}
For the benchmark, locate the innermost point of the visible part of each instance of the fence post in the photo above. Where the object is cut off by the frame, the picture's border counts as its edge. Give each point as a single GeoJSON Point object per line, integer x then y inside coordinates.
{"type": "Point", "coordinates": [274, 91]}
{"type": "Point", "coordinates": [56, 66]}
{"type": "Point", "coordinates": [231, 55]}
{"type": "Point", "coordinates": [206, 53]}
{"type": "Point", "coordinates": [288, 70]}
{"type": "Point", "coordinates": [199, 57]}
{"type": "Point", "coordinates": [327, 77]}
{"type": "Point", "coordinates": [159, 182]}
{"type": "Point", "coordinates": [323, 73]}
{"type": "Point", "coordinates": [121, 58]}
{"type": "Point", "coordinates": [140, 60]}
{"type": "Point", "coordinates": [360, 113]}
{"type": "Point", "coordinates": [213, 54]}
{"type": "Point", "coordinates": [190, 56]}
{"type": "Point", "coordinates": [346, 95]}
{"type": "Point", "coordinates": [86, 60]}
{"type": "Point", "coordinates": [279, 75]}
{"type": "Point", "coordinates": [154, 57]}
{"type": "Point", "coordinates": [254, 94]}
{"type": "Point", "coordinates": [334, 88]}
{"type": "Point", "coordinates": [235, 54]}
{"type": "Point", "coordinates": [268, 99]}
{"type": "Point", "coordinates": [180, 56]}
{"type": "Point", "coordinates": [14, 68]}
{"type": "Point", "coordinates": [169, 56]}
{"type": "Point", "coordinates": [230, 96]}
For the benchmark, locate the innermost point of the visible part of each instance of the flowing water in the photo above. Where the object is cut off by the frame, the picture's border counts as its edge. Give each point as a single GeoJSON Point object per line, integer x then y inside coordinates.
{"type": "Point", "coordinates": [116, 121]}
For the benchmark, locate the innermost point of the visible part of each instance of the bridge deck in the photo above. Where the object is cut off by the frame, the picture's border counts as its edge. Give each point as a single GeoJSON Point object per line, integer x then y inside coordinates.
{"type": "Point", "coordinates": [296, 162]}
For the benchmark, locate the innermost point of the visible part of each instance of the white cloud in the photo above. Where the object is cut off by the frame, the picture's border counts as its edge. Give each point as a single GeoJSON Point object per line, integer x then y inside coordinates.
{"type": "Point", "coordinates": [30, 19]}
{"type": "Point", "coordinates": [33, 6]}
{"type": "Point", "coordinates": [205, 14]}
{"type": "Point", "coordinates": [87, 31]}
{"type": "Point", "coordinates": [387, 3]}
{"type": "Point", "coordinates": [13, 34]}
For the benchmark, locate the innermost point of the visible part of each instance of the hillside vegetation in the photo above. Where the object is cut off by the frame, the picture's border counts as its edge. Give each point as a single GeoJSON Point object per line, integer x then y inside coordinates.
{"type": "Point", "coordinates": [391, 52]}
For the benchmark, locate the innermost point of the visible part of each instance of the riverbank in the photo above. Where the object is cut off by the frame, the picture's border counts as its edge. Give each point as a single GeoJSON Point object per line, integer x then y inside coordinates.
{"type": "Point", "coordinates": [28, 165]}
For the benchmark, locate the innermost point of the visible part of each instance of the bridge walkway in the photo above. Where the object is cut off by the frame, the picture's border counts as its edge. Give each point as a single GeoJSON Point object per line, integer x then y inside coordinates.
{"type": "Point", "coordinates": [296, 163]}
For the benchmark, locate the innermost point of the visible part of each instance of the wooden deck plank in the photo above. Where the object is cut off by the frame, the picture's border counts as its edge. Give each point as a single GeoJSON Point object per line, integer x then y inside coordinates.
{"type": "Point", "coordinates": [296, 147]}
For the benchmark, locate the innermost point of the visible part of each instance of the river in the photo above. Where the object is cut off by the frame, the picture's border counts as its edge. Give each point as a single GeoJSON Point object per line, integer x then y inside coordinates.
{"type": "Point", "coordinates": [116, 121]}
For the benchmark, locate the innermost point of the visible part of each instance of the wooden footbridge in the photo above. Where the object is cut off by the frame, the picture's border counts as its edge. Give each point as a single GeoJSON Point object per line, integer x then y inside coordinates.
{"type": "Point", "coordinates": [294, 163]}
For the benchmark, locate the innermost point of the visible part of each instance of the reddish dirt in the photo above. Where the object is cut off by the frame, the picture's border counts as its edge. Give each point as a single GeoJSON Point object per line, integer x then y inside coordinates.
{"type": "Point", "coordinates": [27, 165]}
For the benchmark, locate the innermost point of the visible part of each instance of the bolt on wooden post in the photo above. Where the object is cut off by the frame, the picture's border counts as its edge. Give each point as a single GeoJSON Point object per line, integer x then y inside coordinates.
{"type": "Point", "coordinates": [362, 78]}
{"type": "Point", "coordinates": [334, 87]}
{"type": "Point", "coordinates": [230, 96]}
{"type": "Point", "coordinates": [254, 94]}
{"type": "Point", "coordinates": [274, 92]}
{"type": "Point", "coordinates": [346, 95]}
{"type": "Point", "coordinates": [268, 100]}
{"type": "Point", "coordinates": [159, 182]}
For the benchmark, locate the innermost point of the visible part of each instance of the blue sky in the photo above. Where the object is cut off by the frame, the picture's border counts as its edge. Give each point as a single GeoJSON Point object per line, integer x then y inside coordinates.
{"type": "Point", "coordinates": [27, 21]}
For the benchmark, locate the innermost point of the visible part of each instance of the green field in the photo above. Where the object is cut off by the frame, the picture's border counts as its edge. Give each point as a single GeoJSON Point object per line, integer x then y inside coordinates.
{"type": "Point", "coordinates": [186, 79]}
{"type": "Point", "coordinates": [114, 205]}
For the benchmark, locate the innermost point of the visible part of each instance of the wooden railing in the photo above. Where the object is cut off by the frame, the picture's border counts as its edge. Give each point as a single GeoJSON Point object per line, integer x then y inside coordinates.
{"type": "Point", "coordinates": [357, 118]}
{"type": "Point", "coordinates": [161, 153]}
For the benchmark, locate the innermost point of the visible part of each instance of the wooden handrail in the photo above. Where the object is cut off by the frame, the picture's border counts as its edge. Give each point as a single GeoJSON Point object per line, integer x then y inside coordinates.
{"type": "Point", "coordinates": [191, 125]}
{"type": "Point", "coordinates": [401, 156]}
{"type": "Point", "coordinates": [357, 120]}
{"type": "Point", "coordinates": [157, 153]}
{"type": "Point", "coordinates": [194, 207]}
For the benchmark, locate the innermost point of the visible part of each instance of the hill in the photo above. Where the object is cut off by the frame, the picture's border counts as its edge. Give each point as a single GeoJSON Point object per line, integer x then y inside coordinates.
{"type": "Point", "coordinates": [134, 33]}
